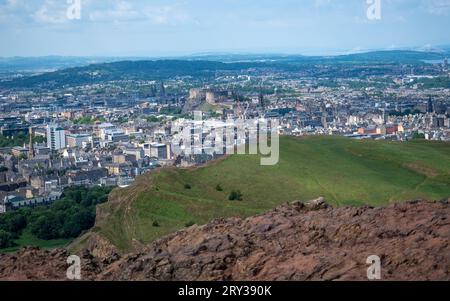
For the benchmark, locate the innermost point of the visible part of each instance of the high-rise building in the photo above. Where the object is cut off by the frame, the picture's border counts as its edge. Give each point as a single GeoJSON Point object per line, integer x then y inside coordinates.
{"type": "Point", "coordinates": [430, 106]}
{"type": "Point", "coordinates": [56, 137]}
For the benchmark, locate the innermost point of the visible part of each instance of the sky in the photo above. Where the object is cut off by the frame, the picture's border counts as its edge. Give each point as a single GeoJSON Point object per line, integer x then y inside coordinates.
{"type": "Point", "coordinates": [182, 27]}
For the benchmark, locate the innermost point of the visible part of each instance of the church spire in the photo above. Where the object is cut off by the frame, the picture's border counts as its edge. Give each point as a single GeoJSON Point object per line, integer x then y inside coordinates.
{"type": "Point", "coordinates": [31, 152]}
{"type": "Point", "coordinates": [261, 97]}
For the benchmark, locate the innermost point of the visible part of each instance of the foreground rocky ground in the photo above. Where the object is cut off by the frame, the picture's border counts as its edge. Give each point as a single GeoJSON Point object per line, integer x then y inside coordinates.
{"type": "Point", "coordinates": [293, 242]}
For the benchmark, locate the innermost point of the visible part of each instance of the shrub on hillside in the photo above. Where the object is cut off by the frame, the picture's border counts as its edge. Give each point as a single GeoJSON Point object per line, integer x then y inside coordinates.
{"type": "Point", "coordinates": [6, 240]}
{"type": "Point", "coordinates": [189, 224]}
{"type": "Point", "coordinates": [235, 195]}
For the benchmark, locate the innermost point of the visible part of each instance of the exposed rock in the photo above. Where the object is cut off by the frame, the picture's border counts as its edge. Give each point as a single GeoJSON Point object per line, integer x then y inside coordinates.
{"type": "Point", "coordinates": [297, 241]}
{"type": "Point", "coordinates": [33, 264]}
{"type": "Point", "coordinates": [102, 249]}
{"type": "Point", "coordinates": [317, 204]}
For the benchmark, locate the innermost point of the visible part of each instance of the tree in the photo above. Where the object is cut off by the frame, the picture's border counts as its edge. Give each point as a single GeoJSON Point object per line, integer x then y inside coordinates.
{"type": "Point", "coordinates": [153, 119]}
{"type": "Point", "coordinates": [16, 222]}
{"type": "Point", "coordinates": [46, 226]}
{"type": "Point", "coordinates": [17, 140]}
{"type": "Point", "coordinates": [6, 239]}
{"type": "Point", "coordinates": [39, 139]}
{"type": "Point", "coordinates": [13, 222]}
{"type": "Point", "coordinates": [65, 218]}
{"type": "Point", "coordinates": [235, 195]}
{"type": "Point", "coordinates": [417, 135]}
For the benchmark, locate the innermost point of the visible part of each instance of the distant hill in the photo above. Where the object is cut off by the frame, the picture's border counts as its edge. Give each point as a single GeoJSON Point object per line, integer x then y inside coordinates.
{"type": "Point", "coordinates": [393, 56]}
{"type": "Point", "coordinates": [344, 171]}
{"type": "Point", "coordinates": [204, 66]}
{"type": "Point", "coordinates": [47, 63]}
{"type": "Point", "coordinates": [125, 70]}
{"type": "Point", "coordinates": [401, 56]}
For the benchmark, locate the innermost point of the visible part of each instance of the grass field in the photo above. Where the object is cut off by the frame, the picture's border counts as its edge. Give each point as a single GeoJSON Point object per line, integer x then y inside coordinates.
{"type": "Point", "coordinates": [344, 171]}
{"type": "Point", "coordinates": [29, 240]}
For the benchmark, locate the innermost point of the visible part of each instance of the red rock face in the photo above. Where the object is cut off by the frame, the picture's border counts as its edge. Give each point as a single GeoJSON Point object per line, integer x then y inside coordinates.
{"type": "Point", "coordinates": [292, 242]}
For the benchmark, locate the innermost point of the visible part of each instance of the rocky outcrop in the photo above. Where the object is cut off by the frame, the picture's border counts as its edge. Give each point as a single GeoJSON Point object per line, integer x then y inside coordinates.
{"type": "Point", "coordinates": [296, 241]}
{"type": "Point", "coordinates": [37, 264]}
{"type": "Point", "coordinates": [101, 248]}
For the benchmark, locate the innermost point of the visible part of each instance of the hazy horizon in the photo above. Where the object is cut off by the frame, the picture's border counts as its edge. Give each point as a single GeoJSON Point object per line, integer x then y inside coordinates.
{"type": "Point", "coordinates": [444, 48]}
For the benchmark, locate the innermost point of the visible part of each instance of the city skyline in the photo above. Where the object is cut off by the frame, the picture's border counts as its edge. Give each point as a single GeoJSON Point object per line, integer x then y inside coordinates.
{"type": "Point", "coordinates": [170, 28]}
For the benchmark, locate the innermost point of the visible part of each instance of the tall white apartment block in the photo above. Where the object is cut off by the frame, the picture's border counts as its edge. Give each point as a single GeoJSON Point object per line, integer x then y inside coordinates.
{"type": "Point", "coordinates": [56, 137]}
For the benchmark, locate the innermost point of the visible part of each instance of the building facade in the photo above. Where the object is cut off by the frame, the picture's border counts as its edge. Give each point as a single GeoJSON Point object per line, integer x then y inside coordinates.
{"type": "Point", "coordinates": [56, 137]}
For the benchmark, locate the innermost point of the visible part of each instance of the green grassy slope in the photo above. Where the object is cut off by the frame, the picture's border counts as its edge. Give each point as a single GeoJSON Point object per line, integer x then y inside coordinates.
{"type": "Point", "coordinates": [344, 171]}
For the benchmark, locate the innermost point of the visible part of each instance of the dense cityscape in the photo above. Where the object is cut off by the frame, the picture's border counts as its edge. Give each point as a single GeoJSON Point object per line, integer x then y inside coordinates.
{"type": "Point", "coordinates": [109, 133]}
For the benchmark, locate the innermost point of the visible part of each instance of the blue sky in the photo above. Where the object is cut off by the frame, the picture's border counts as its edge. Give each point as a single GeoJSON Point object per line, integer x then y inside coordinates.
{"type": "Point", "coordinates": [176, 27]}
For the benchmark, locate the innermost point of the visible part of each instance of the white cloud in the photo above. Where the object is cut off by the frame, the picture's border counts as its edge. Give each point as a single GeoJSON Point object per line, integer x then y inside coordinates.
{"type": "Point", "coordinates": [125, 11]}
{"type": "Point", "coordinates": [437, 7]}
{"type": "Point", "coordinates": [122, 11]}
{"type": "Point", "coordinates": [52, 12]}
{"type": "Point", "coordinates": [166, 15]}
{"type": "Point", "coordinates": [321, 3]}
{"type": "Point", "coordinates": [12, 8]}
